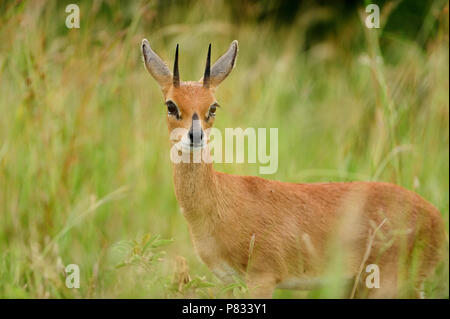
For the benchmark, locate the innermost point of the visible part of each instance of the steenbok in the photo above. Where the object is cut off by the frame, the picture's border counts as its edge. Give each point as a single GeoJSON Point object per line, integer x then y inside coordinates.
{"type": "Point", "coordinates": [283, 235]}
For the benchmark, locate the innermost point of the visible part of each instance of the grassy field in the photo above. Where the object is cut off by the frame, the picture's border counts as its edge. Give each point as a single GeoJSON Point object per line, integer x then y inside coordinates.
{"type": "Point", "coordinates": [85, 176]}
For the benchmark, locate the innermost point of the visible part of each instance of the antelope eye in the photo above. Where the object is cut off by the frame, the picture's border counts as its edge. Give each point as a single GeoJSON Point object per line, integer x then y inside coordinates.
{"type": "Point", "coordinates": [172, 109]}
{"type": "Point", "coordinates": [212, 110]}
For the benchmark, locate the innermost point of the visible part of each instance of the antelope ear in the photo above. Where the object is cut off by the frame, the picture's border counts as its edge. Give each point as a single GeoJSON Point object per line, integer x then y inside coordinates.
{"type": "Point", "coordinates": [224, 65]}
{"type": "Point", "coordinates": [155, 65]}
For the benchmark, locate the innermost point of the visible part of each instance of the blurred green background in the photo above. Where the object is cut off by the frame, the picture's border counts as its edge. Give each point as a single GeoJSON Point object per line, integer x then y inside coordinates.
{"type": "Point", "coordinates": [85, 176]}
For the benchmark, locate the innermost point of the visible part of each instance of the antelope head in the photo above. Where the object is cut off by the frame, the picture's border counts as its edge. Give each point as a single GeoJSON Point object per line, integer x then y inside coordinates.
{"type": "Point", "coordinates": [191, 106]}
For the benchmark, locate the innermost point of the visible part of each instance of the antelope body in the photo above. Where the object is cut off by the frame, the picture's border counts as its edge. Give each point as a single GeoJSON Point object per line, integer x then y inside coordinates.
{"type": "Point", "coordinates": [276, 234]}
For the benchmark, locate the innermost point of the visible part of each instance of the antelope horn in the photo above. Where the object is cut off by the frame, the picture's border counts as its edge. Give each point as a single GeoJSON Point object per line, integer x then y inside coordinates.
{"type": "Point", "coordinates": [207, 75]}
{"type": "Point", "coordinates": [176, 73]}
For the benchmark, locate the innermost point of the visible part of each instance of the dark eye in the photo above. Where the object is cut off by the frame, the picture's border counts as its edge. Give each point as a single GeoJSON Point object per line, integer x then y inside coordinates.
{"type": "Point", "coordinates": [172, 109]}
{"type": "Point", "coordinates": [212, 110]}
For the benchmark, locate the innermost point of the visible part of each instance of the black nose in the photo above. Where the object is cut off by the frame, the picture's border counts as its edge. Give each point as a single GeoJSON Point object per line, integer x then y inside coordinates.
{"type": "Point", "coordinates": [195, 135]}
{"type": "Point", "coordinates": [196, 132]}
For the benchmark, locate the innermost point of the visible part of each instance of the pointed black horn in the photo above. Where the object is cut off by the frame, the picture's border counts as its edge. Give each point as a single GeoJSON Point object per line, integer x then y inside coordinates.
{"type": "Point", "coordinates": [207, 75]}
{"type": "Point", "coordinates": [176, 73]}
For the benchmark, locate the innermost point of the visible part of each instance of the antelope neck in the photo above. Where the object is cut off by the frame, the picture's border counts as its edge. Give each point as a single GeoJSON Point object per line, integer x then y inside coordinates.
{"type": "Point", "coordinates": [195, 188]}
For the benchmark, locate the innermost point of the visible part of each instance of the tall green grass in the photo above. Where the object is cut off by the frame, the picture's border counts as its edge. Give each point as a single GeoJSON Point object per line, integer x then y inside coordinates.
{"type": "Point", "coordinates": [84, 152]}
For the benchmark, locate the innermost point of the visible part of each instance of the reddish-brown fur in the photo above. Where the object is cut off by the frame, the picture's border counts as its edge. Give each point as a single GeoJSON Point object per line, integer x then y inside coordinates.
{"type": "Point", "coordinates": [269, 232]}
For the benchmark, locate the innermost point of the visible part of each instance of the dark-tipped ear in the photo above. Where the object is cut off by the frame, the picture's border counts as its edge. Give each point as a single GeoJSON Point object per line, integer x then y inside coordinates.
{"type": "Point", "coordinates": [224, 65]}
{"type": "Point", "coordinates": [155, 65]}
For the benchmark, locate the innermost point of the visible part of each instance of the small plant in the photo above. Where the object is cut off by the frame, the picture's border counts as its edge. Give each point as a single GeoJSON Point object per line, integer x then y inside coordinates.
{"type": "Point", "coordinates": [141, 252]}
{"type": "Point", "coordinates": [237, 289]}
{"type": "Point", "coordinates": [198, 287]}
{"type": "Point", "coordinates": [183, 284]}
